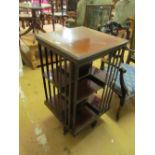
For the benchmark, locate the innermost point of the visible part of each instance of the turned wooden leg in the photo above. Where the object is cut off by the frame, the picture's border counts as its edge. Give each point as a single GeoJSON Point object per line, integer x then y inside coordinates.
{"type": "Point", "coordinates": [27, 31]}
{"type": "Point", "coordinates": [23, 24]}
{"type": "Point", "coordinates": [48, 19]}
{"type": "Point", "coordinates": [42, 20]}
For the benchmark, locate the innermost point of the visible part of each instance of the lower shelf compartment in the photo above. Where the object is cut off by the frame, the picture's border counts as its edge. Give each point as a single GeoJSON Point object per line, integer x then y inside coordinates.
{"type": "Point", "coordinates": [94, 103]}
{"type": "Point", "coordinates": [85, 88]}
{"type": "Point", "coordinates": [84, 117]}
{"type": "Point", "coordinates": [57, 107]}
{"type": "Point", "coordinates": [86, 113]}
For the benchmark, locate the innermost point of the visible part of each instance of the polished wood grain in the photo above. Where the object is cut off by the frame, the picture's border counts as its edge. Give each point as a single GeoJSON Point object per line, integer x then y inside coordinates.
{"type": "Point", "coordinates": [80, 42]}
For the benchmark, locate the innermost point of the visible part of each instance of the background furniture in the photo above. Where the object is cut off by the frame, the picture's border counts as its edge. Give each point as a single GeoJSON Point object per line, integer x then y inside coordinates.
{"type": "Point", "coordinates": [35, 23]}
{"type": "Point", "coordinates": [131, 21]}
{"type": "Point", "coordinates": [97, 15]}
{"type": "Point", "coordinates": [62, 10]}
{"type": "Point", "coordinates": [29, 50]}
{"type": "Point", "coordinates": [70, 80]}
{"type": "Point", "coordinates": [25, 15]}
{"type": "Point", "coordinates": [57, 13]}
{"type": "Point", "coordinates": [25, 19]}
{"type": "Point", "coordinates": [71, 19]}
{"type": "Point", "coordinates": [81, 8]}
{"type": "Point", "coordinates": [125, 83]}
{"type": "Point", "coordinates": [123, 10]}
{"type": "Point", "coordinates": [126, 31]}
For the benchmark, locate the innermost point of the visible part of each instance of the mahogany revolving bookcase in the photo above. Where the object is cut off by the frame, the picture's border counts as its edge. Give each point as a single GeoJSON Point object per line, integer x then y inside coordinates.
{"type": "Point", "coordinates": [70, 80]}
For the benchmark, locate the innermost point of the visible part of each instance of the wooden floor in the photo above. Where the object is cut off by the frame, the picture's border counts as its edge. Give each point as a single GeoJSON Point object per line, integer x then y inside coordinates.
{"type": "Point", "coordinates": [41, 133]}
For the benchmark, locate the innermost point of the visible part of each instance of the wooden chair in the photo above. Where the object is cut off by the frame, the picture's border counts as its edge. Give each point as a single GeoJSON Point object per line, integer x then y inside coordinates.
{"type": "Point", "coordinates": [97, 15]}
{"type": "Point", "coordinates": [71, 19]}
{"type": "Point", "coordinates": [126, 31]}
{"type": "Point", "coordinates": [125, 82]}
{"type": "Point", "coordinates": [57, 13]}
{"type": "Point", "coordinates": [71, 15]}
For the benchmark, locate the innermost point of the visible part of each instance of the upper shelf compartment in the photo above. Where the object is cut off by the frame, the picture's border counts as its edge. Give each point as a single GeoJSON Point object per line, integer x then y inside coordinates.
{"type": "Point", "coordinates": [60, 76]}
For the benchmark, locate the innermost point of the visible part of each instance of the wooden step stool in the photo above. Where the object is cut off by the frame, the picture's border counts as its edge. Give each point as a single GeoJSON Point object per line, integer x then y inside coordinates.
{"type": "Point", "coordinates": [29, 50]}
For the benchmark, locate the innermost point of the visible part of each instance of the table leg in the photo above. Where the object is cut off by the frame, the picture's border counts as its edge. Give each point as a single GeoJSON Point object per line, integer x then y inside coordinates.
{"type": "Point", "coordinates": [23, 24]}
{"type": "Point", "coordinates": [37, 26]}
{"type": "Point", "coordinates": [34, 25]}
{"type": "Point", "coordinates": [27, 31]}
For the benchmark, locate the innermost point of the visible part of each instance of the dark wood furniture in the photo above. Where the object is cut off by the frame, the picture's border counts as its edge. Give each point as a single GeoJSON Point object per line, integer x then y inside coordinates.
{"type": "Point", "coordinates": [61, 11]}
{"type": "Point", "coordinates": [97, 15]}
{"type": "Point", "coordinates": [71, 5]}
{"type": "Point", "coordinates": [25, 19]}
{"type": "Point", "coordinates": [131, 55]}
{"type": "Point", "coordinates": [24, 15]}
{"type": "Point", "coordinates": [126, 31]}
{"type": "Point", "coordinates": [57, 14]}
{"type": "Point", "coordinates": [125, 85]}
{"type": "Point", "coordinates": [125, 82]}
{"type": "Point", "coordinates": [70, 80]}
{"type": "Point", "coordinates": [131, 21]}
{"type": "Point", "coordinates": [35, 23]}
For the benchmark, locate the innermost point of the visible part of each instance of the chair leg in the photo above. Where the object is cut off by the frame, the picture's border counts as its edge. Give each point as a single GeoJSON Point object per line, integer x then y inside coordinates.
{"type": "Point", "coordinates": [122, 101]}
{"type": "Point", "coordinates": [23, 24]}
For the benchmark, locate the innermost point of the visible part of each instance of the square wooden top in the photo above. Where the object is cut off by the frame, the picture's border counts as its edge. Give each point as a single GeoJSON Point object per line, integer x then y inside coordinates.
{"type": "Point", "coordinates": [80, 42]}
